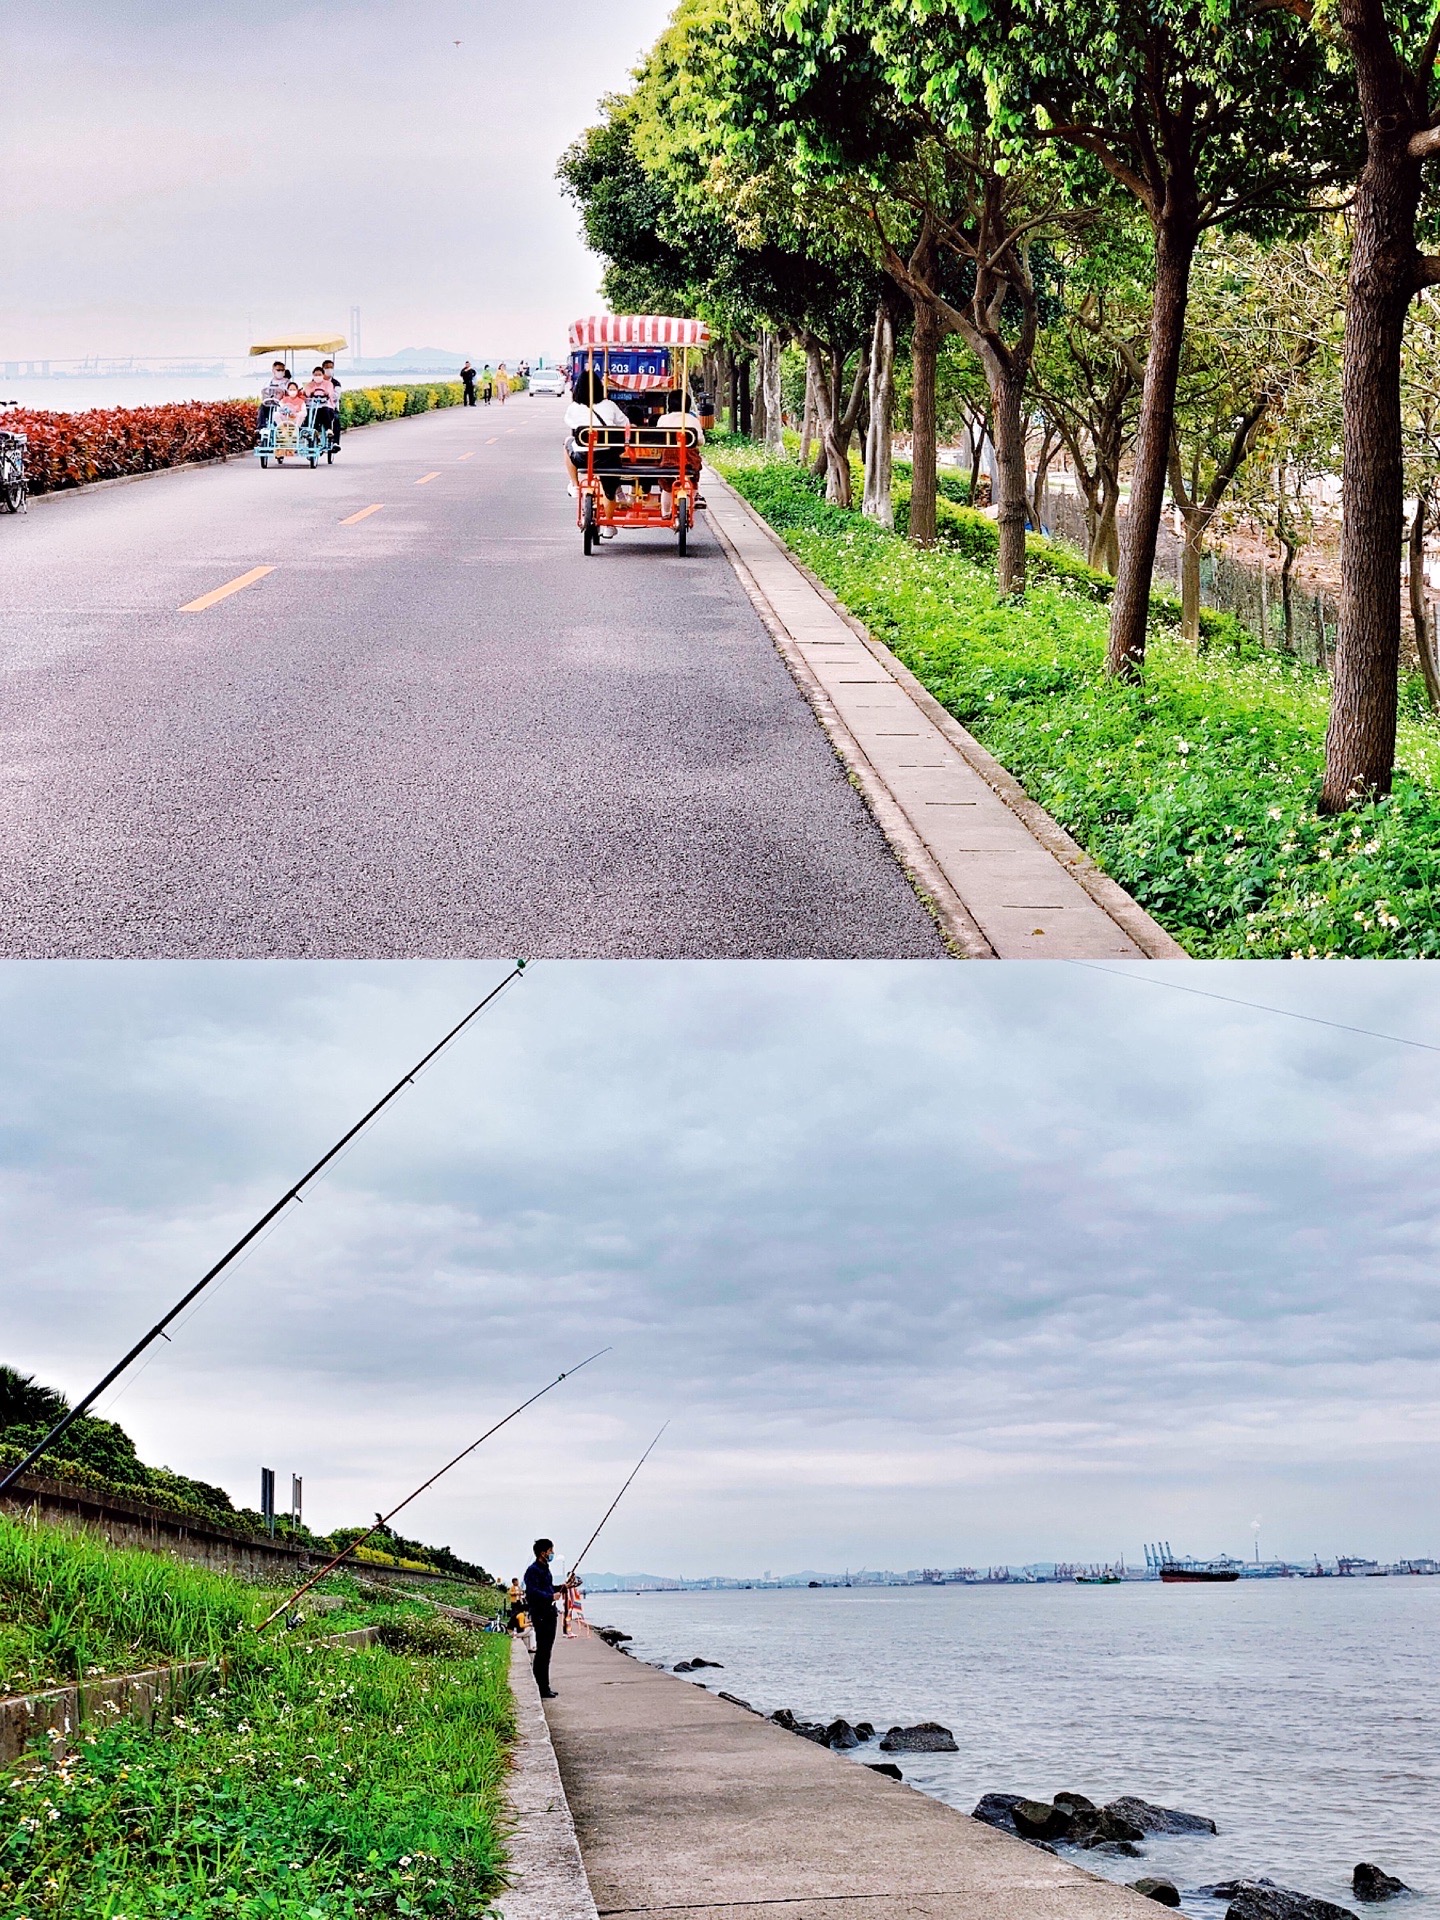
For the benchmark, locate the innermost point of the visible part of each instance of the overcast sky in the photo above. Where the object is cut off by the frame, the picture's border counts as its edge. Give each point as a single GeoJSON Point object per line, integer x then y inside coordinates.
{"type": "Point", "coordinates": [926, 1264]}
{"type": "Point", "coordinates": [178, 174]}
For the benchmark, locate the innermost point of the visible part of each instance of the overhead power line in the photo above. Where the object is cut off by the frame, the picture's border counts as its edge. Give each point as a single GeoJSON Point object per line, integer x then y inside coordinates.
{"type": "Point", "coordinates": [1256, 1006]}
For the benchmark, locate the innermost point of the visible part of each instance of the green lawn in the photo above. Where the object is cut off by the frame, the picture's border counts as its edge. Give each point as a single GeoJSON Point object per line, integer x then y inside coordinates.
{"type": "Point", "coordinates": [1196, 791]}
{"type": "Point", "coordinates": [307, 1782]}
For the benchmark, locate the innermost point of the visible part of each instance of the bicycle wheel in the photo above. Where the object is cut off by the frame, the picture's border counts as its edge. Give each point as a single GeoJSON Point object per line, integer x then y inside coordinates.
{"type": "Point", "coordinates": [682, 523]}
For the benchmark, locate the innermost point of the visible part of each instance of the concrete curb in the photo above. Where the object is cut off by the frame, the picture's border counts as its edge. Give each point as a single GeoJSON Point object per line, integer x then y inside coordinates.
{"type": "Point", "coordinates": [1148, 936]}
{"type": "Point", "coordinates": [547, 1875]}
{"type": "Point", "coordinates": [939, 898]}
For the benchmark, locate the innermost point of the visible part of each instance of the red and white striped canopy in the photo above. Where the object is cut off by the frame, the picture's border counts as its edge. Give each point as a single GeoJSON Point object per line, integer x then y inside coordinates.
{"type": "Point", "coordinates": [637, 330]}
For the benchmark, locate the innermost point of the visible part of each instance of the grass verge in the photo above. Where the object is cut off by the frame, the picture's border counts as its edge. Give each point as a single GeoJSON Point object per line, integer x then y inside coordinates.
{"type": "Point", "coordinates": [307, 1782]}
{"type": "Point", "coordinates": [72, 1608]}
{"type": "Point", "coordinates": [316, 1783]}
{"type": "Point", "coordinates": [1197, 790]}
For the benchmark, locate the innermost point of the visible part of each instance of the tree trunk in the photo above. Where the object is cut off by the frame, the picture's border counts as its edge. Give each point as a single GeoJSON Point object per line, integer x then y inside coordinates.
{"type": "Point", "coordinates": [1196, 522]}
{"type": "Point", "coordinates": [1007, 408]}
{"type": "Point", "coordinates": [979, 432]}
{"type": "Point", "coordinates": [1360, 741]}
{"type": "Point", "coordinates": [1419, 608]}
{"type": "Point", "coordinates": [746, 419]}
{"type": "Point", "coordinates": [1178, 230]}
{"type": "Point", "coordinates": [1287, 597]}
{"type": "Point", "coordinates": [1040, 491]}
{"type": "Point", "coordinates": [807, 422]}
{"type": "Point", "coordinates": [877, 504]}
{"type": "Point", "coordinates": [834, 456]}
{"type": "Point", "coordinates": [771, 347]}
{"type": "Point", "coordinates": [924, 351]}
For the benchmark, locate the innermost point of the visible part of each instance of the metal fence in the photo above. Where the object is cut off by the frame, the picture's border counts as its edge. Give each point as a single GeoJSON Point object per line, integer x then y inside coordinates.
{"type": "Point", "coordinates": [1251, 592]}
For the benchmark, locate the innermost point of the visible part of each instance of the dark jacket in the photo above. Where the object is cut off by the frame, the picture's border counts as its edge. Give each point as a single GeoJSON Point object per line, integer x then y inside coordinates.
{"type": "Point", "coordinates": [539, 1591]}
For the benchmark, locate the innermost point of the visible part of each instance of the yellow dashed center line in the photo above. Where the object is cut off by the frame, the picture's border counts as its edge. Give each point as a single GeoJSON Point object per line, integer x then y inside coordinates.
{"type": "Point", "coordinates": [493, 441]}
{"type": "Point", "coordinates": [363, 514]}
{"type": "Point", "coordinates": [425, 477]}
{"type": "Point", "coordinates": [468, 456]}
{"type": "Point", "coordinates": [224, 593]}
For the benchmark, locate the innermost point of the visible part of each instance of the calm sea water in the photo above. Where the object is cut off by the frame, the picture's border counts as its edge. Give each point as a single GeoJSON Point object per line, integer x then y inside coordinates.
{"type": "Point", "coordinates": [1303, 1716]}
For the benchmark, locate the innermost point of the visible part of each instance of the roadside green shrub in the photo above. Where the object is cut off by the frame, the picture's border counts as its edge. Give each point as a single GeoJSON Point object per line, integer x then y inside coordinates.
{"type": "Point", "coordinates": [427, 1633]}
{"type": "Point", "coordinates": [361, 405]}
{"type": "Point", "coordinates": [1197, 790]}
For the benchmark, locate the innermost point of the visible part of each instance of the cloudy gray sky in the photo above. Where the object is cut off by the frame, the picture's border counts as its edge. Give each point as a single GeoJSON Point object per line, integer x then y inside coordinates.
{"type": "Point", "coordinates": [925, 1264]}
{"type": "Point", "coordinates": [176, 173]}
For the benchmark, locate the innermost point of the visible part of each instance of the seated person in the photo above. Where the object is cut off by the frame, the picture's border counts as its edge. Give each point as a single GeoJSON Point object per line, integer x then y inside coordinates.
{"type": "Point", "coordinates": [589, 407]}
{"type": "Point", "coordinates": [321, 395]}
{"type": "Point", "coordinates": [676, 415]}
{"type": "Point", "coordinates": [271, 392]}
{"type": "Point", "coordinates": [289, 412]}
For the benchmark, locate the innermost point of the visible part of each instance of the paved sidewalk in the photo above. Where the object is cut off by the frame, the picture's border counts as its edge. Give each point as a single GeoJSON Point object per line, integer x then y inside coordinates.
{"type": "Point", "coordinates": [1006, 880]}
{"type": "Point", "coordinates": [547, 1877]}
{"type": "Point", "coordinates": [686, 1805]}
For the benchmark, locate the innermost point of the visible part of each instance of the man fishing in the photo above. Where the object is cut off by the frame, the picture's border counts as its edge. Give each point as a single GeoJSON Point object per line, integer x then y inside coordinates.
{"type": "Point", "coordinates": [540, 1605]}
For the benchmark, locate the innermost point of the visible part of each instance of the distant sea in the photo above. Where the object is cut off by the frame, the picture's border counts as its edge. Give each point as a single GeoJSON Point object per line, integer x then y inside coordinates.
{"type": "Point", "coordinates": [76, 392]}
{"type": "Point", "coordinates": [73, 395]}
{"type": "Point", "coordinates": [1303, 1716]}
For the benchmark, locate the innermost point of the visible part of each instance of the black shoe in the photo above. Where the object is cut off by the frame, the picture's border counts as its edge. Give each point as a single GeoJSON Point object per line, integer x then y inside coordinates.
{"type": "Point", "coordinates": [549, 1696]}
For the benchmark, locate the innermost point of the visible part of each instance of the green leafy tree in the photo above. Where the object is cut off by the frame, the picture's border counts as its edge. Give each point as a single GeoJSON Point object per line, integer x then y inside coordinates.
{"type": "Point", "coordinates": [1208, 112]}
{"type": "Point", "coordinates": [1262, 344]}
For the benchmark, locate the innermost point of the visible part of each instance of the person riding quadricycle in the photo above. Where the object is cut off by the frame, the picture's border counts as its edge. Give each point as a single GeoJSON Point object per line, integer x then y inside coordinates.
{"type": "Point", "coordinates": [628, 468]}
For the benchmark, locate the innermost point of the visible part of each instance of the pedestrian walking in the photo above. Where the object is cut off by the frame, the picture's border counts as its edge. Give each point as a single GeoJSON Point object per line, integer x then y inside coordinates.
{"type": "Point", "coordinates": [502, 384]}
{"type": "Point", "coordinates": [467, 375]}
{"type": "Point", "coordinates": [540, 1605]}
{"type": "Point", "coordinates": [487, 392]}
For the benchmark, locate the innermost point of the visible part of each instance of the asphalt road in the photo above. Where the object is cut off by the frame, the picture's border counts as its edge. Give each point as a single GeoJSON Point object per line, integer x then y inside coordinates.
{"type": "Point", "coordinates": [436, 729]}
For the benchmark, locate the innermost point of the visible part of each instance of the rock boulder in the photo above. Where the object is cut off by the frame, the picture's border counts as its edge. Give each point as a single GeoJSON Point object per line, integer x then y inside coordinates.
{"type": "Point", "coordinates": [1370, 1883]}
{"type": "Point", "coordinates": [998, 1810]}
{"type": "Point", "coordinates": [1147, 1818]}
{"type": "Point", "coordinates": [1257, 1901]}
{"type": "Point", "coordinates": [887, 1767]}
{"type": "Point", "coordinates": [1165, 1891]}
{"type": "Point", "coordinates": [1040, 1820]}
{"type": "Point", "coordinates": [927, 1737]}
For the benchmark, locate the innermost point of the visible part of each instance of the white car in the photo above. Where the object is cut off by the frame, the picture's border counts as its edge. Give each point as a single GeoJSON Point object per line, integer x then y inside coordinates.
{"type": "Point", "coordinates": [550, 381]}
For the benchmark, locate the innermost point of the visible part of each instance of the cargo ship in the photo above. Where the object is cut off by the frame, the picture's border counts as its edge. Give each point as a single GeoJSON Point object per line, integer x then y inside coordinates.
{"type": "Point", "coordinates": [1160, 1559]}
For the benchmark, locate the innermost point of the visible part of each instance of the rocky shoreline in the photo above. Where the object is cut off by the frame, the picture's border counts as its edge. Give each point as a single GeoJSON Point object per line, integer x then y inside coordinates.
{"type": "Point", "coordinates": [1068, 1820]}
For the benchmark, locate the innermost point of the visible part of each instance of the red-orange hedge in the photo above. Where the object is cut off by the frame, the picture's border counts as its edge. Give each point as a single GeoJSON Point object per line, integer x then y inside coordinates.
{"type": "Point", "coordinates": [67, 449]}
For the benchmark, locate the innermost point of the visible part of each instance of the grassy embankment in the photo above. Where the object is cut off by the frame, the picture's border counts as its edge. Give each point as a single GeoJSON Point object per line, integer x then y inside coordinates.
{"type": "Point", "coordinates": [1196, 790]}
{"type": "Point", "coordinates": [308, 1782]}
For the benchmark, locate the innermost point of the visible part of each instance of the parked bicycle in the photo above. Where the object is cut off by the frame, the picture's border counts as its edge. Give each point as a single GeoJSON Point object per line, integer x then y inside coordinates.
{"type": "Point", "coordinates": [14, 487]}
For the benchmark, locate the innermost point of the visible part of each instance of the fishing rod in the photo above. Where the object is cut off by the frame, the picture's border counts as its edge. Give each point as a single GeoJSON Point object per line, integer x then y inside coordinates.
{"type": "Point", "coordinates": [157, 1332]}
{"type": "Point", "coordinates": [575, 1564]}
{"type": "Point", "coordinates": [382, 1520]}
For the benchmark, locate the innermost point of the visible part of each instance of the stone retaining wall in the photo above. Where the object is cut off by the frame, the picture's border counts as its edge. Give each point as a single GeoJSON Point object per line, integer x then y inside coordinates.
{"type": "Point", "coordinates": [131, 1523]}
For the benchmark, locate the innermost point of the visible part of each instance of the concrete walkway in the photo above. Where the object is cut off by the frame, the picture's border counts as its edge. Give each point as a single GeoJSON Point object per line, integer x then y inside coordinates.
{"type": "Point", "coordinates": [1006, 880]}
{"type": "Point", "coordinates": [686, 1805]}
